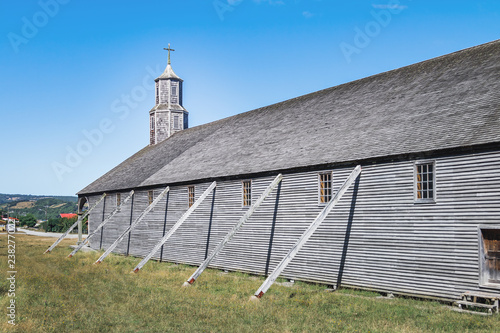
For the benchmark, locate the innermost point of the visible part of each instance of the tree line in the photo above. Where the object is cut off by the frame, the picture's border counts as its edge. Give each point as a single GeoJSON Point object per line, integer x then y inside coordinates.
{"type": "Point", "coordinates": [53, 224]}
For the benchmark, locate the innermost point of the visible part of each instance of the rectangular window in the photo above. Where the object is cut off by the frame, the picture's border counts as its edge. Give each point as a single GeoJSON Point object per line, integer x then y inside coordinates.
{"type": "Point", "coordinates": [424, 182]}
{"type": "Point", "coordinates": [190, 195]}
{"type": "Point", "coordinates": [176, 122]}
{"type": "Point", "coordinates": [118, 199]}
{"type": "Point", "coordinates": [174, 91]}
{"type": "Point", "coordinates": [325, 187]}
{"type": "Point", "coordinates": [247, 193]}
{"type": "Point", "coordinates": [150, 197]}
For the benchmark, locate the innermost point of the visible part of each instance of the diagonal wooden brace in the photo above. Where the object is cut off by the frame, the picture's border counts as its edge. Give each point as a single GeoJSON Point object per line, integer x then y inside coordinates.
{"type": "Point", "coordinates": [74, 225]}
{"type": "Point", "coordinates": [307, 234]}
{"type": "Point", "coordinates": [235, 229]}
{"type": "Point", "coordinates": [175, 227]}
{"type": "Point", "coordinates": [110, 216]}
{"type": "Point", "coordinates": [133, 225]}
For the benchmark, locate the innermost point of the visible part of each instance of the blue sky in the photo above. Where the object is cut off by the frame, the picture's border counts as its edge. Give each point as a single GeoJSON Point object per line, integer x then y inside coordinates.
{"type": "Point", "coordinates": [76, 76]}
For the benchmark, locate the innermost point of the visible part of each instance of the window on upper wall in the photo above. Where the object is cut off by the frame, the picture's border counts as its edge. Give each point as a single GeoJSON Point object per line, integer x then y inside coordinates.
{"type": "Point", "coordinates": [150, 197]}
{"type": "Point", "coordinates": [190, 195]}
{"type": "Point", "coordinates": [324, 187]}
{"type": "Point", "coordinates": [247, 192]}
{"type": "Point", "coordinates": [118, 199]}
{"type": "Point", "coordinates": [176, 122]}
{"type": "Point", "coordinates": [425, 182]}
{"type": "Point", "coordinates": [173, 94]}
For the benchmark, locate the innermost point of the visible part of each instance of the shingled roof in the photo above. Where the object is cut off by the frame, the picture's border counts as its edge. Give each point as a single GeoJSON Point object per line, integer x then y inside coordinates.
{"type": "Point", "coordinates": [168, 73]}
{"type": "Point", "coordinates": [447, 102]}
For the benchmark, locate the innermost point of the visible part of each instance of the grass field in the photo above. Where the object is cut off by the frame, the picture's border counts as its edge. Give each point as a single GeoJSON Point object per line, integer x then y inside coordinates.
{"type": "Point", "coordinates": [56, 294]}
{"type": "Point", "coordinates": [23, 204]}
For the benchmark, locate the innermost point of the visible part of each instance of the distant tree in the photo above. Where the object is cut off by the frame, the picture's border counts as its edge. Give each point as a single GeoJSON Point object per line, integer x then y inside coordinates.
{"type": "Point", "coordinates": [66, 223]}
{"type": "Point", "coordinates": [28, 220]}
{"type": "Point", "coordinates": [52, 225]}
{"type": "Point", "coordinates": [61, 225]}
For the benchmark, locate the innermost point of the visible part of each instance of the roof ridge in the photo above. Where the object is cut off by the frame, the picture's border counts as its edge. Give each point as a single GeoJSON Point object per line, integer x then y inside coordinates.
{"type": "Point", "coordinates": [449, 102]}
{"type": "Point", "coordinates": [357, 81]}
{"type": "Point", "coordinates": [342, 85]}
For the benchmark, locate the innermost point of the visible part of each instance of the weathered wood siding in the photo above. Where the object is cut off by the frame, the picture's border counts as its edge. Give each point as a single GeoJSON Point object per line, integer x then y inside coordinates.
{"type": "Point", "coordinates": [394, 244]}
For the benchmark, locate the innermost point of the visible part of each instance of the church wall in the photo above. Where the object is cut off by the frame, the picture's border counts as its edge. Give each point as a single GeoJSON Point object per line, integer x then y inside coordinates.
{"type": "Point", "coordinates": [162, 119]}
{"type": "Point", "coordinates": [394, 244]}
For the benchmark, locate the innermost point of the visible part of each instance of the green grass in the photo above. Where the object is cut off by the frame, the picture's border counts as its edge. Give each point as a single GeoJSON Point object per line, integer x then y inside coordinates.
{"type": "Point", "coordinates": [56, 294]}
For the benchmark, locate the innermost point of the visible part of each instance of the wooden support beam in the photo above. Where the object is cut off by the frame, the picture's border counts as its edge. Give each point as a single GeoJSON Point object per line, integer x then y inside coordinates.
{"type": "Point", "coordinates": [307, 234]}
{"type": "Point", "coordinates": [110, 216]}
{"type": "Point", "coordinates": [80, 218]}
{"type": "Point", "coordinates": [133, 225]}
{"type": "Point", "coordinates": [175, 227]}
{"type": "Point", "coordinates": [235, 229]}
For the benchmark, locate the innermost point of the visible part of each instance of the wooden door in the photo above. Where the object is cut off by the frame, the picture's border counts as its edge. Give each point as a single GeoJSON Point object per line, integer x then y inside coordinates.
{"type": "Point", "coordinates": [490, 256]}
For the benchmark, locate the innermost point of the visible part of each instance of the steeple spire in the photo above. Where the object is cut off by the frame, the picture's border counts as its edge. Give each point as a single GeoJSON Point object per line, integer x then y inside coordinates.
{"type": "Point", "coordinates": [168, 49]}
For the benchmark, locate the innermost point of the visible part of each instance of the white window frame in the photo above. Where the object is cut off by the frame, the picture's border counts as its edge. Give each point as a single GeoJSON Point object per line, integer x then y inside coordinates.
{"type": "Point", "coordinates": [192, 197]}
{"type": "Point", "coordinates": [246, 200]}
{"type": "Point", "coordinates": [416, 181]}
{"type": "Point", "coordinates": [176, 117]}
{"type": "Point", "coordinates": [151, 197]}
{"type": "Point", "coordinates": [328, 196]}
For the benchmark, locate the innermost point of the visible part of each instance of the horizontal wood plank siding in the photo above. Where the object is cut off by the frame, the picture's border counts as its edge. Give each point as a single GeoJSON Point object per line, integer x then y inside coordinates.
{"type": "Point", "coordinates": [394, 245]}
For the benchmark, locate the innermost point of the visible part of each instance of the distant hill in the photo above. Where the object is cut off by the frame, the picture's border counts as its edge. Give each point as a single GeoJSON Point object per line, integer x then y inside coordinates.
{"type": "Point", "coordinates": [42, 207]}
{"type": "Point", "coordinates": [7, 198]}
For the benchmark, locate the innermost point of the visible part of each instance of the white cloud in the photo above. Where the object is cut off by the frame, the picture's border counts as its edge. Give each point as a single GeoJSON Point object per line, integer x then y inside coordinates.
{"type": "Point", "coordinates": [307, 14]}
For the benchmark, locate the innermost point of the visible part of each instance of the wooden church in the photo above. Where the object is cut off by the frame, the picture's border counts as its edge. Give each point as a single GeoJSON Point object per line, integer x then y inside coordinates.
{"type": "Point", "coordinates": [422, 218]}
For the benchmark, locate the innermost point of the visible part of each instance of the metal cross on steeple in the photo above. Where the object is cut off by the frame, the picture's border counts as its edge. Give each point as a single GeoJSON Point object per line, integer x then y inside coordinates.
{"type": "Point", "coordinates": [169, 49]}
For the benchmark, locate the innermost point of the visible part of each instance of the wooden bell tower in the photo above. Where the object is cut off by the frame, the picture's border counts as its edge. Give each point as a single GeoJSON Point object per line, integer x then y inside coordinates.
{"type": "Point", "coordinates": [168, 116]}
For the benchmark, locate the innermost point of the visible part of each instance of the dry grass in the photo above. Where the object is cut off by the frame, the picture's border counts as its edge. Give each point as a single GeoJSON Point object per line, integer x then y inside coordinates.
{"type": "Point", "coordinates": [56, 294]}
{"type": "Point", "coordinates": [23, 205]}
{"type": "Point", "coordinates": [58, 205]}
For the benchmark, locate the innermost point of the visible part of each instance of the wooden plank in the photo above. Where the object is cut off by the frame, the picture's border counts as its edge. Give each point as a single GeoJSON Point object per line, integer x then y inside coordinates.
{"type": "Point", "coordinates": [110, 216]}
{"type": "Point", "coordinates": [235, 229]}
{"type": "Point", "coordinates": [80, 218]}
{"type": "Point", "coordinates": [307, 234]}
{"type": "Point", "coordinates": [133, 225]}
{"type": "Point", "coordinates": [175, 226]}
{"type": "Point", "coordinates": [395, 245]}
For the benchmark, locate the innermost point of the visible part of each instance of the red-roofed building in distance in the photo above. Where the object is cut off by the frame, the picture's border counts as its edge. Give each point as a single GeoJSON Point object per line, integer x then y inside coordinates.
{"type": "Point", "coordinates": [68, 216]}
{"type": "Point", "coordinates": [11, 219]}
